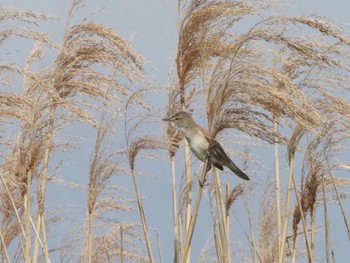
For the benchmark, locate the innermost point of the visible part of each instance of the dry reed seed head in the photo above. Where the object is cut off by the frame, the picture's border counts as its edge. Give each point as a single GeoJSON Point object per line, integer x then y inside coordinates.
{"type": "Point", "coordinates": [102, 167]}
{"type": "Point", "coordinates": [309, 118]}
{"type": "Point", "coordinates": [320, 23]}
{"type": "Point", "coordinates": [87, 45]}
{"type": "Point", "coordinates": [252, 122]}
{"type": "Point", "coordinates": [13, 106]}
{"type": "Point", "coordinates": [185, 192]}
{"type": "Point", "coordinates": [107, 246]}
{"type": "Point", "coordinates": [298, 132]}
{"type": "Point", "coordinates": [202, 29]}
{"type": "Point", "coordinates": [143, 143]}
{"type": "Point", "coordinates": [27, 16]}
{"type": "Point", "coordinates": [173, 135]}
{"type": "Point", "coordinates": [28, 34]}
{"type": "Point", "coordinates": [333, 105]}
{"type": "Point", "coordinates": [314, 167]}
{"type": "Point", "coordinates": [288, 102]}
{"type": "Point", "coordinates": [232, 197]}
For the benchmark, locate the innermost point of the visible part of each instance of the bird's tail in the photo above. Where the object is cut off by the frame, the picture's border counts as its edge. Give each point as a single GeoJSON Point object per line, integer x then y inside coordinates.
{"type": "Point", "coordinates": [238, 171]}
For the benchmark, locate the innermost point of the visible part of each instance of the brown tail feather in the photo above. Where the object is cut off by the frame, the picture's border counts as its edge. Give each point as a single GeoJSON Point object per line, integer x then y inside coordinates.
{"type": "Point", "coordinates": [238, 171]}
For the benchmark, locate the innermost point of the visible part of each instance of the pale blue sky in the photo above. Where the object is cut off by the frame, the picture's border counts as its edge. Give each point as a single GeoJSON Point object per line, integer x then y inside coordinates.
{"type": "Point", "coordinates": [152, 26]}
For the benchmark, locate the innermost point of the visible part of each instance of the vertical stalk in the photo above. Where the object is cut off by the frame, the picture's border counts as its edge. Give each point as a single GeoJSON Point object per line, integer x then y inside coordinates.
{"type": "Point", "coordinates": [326, 222]}
{"type": "Point", "coordinates": [89, 236]}
{"type": "Point", "coordinates": [16, 212]}
{"type": "Point", "coordinates": [227, 223]}
{"type": "Point", "coordinates": [38, 237]}
{"type": "Point", "coordinates": [218, 245]}
{"type": "Point", "coordinates": [186, 147]}
{"type": "Point", "coordinates": [180, 233]}
{"type": "Point", "coordinates": [4, 249]}
{"type": "Point", "coordinates": [286, 212]}
{"type": "Point", "coordinates": [173, 190]}
{"type": "Point", "coordinates": [46, 252]}
{"type": "Point", "coordinates": [193, 220]}
{"type": "Point", "coordinates": [252, 236]}
{"type": "Point", "coordinates": [310, 258]}
{"type": "Point", "coordinates": [189, 188]}
{"type": "Point", "coordinates": [220, 214]}
{"type": "Point", "coordinates": [41, 197]}
{"type": "Point", "coordinates": [143, 219]}
{"type": "Point", "coordinates": [27, 218]}
{"type": "Point", "coordinates": [313, 226]}
{"type": "Point", "coordinates": [106, 248]}
{"type": "Point", "coordinates": [339, 200]}
{"type": "Point", "coordinates": [278, 190]}
{"type": "Point", "coordinates": [217, 240]}
{"type": "Point", "coordinates": [36, 243]}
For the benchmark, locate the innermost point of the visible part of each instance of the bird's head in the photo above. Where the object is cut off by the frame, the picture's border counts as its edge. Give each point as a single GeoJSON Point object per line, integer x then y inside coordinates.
{"type": "Point", "coordinates": [180, 119]}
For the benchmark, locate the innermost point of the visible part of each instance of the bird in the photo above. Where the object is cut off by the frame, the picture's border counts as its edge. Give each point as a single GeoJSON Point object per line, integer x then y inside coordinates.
{"type": "Point", "coordinates": [199, 140]}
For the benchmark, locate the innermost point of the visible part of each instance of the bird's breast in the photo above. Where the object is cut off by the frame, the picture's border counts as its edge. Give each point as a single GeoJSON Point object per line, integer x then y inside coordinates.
{"type": "Point", "coordinates": [199, 146]}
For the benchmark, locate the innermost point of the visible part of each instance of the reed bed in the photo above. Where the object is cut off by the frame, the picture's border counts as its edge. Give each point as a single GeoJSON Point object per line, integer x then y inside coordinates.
{"type": "Point", "coordinates": [279, 86]}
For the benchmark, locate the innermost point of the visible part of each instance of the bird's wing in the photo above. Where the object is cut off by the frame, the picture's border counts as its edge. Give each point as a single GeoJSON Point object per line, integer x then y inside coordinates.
{"type": "Point", "coordinates": [219, 166]}
{"type": "Point", "coordinates": [215, 145]}
{"type": "Point", "coordinates": [219, 151]}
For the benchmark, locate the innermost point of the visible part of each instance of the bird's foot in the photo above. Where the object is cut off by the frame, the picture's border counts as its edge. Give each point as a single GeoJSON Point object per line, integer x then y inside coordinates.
{"type": "Point", "coordinates": [210, 149]}
{"type": "Point", "coordinates": [209, 152]}
{"type": "Point", "coordinates": [201, 183]}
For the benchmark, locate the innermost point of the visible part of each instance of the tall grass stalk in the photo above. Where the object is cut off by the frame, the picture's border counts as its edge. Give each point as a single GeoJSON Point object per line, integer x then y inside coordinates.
{"type": "Point", "coordinates": [278, 184]}
{"type": "Point", "coordinates": [326, 222]}
{"type": "Point", "coordinates": [292, 147]}
{"type": "Point", "coordinates": [252, 237]}
{"type": "Point", "coordinates": [313, 228]}
{"type": "Point", "coordinates": [221, 215]}
{"type": "Point", "coordinates": [45, 243]}
{"type": "Point", "coordinates": [142, 215]}
{"type": "Point", "coordinates": [181, 235]}
{"type": "Point", "coordinates": [227, 223]}
{"type": "Point", "coordinates": [175, 214]}
{"type": "Point", "coordinates": [89, 236]}
{"type": "Point", "coordinates": [188, 191]}
{"type": "Point", "coordinates": [142, 143]}
{"type": "Point", "coordinates": [37, 235]}
{"type": "Point", "coordinates": [107, 251]}
{"type": "Point", "coordinates": [338, 198]}
{"type": "Point", "coordinates": [4, 248]}
{"type": "Point", "coordinates": [193, 220]}
{"type": "Point", "coordinates": [27, 199]}
{"type": "Point", "coordinates": [286, 211]}
{"type": "Point", "coordinates": [302, 215]}
{"type": "Point", "coordinates": [217, 240]}
{"type": "Point", "coordinates": [42, 189]}
{"type": "Point", "coordinates": [16, 213]}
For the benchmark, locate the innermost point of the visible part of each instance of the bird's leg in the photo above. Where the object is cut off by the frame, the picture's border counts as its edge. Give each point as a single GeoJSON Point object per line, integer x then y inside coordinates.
{"type": "Point", "coordinates": [212, 144]}
{"type": "Point", "coordinates": [201, 183]}
{"type": "Point", "coordinates": [208, 154]}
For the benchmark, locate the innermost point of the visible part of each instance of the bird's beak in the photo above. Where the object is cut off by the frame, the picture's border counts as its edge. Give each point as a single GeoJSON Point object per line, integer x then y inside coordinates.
{"type": "Point", "coordinates": [167, 119]}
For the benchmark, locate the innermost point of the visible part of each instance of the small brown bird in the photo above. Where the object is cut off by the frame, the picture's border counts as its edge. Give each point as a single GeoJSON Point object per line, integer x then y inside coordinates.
{"type": "Point", "coordinates": [198, 139]}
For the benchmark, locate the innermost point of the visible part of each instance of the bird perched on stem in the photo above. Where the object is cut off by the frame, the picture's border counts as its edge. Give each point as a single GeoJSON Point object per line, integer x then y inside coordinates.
{"type": "Point", "coordinates": [201, 144]}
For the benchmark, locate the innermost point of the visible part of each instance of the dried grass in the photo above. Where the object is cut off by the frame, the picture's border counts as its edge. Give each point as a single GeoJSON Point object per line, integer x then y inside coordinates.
{"type": "Point", "coordinates": [229, 75]}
